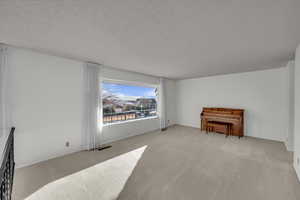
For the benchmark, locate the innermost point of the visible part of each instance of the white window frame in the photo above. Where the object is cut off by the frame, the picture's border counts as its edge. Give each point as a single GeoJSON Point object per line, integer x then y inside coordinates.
{"type": "Point", "coordinates": [130, 83]}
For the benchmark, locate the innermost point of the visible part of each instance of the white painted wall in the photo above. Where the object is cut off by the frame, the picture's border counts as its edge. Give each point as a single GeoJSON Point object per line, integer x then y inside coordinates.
{"type": "Point", "coordinates": [128, 129]}
{"type": "Point", "coordinates": [3, 140]}
{"type": "Point", "coordinates": [297, 114]}
{"type": "Point", "coordinates": [115, 74]}
{"type": "Point", "coordinates": [47, 95]}
{"type": "Point", "coordinates": [171, 102]}
{"type": "Point", "coordinates": [47, 105]}
{"type": "Point", "coordinates": [291, 105]}
{"type": "Point", "coordinates": [261, 93]}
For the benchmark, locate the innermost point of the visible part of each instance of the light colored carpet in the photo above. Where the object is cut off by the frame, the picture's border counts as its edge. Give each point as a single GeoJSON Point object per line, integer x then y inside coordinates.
{"type": "Point", "coordinates": [102, 181]}
{"type": "Point", "coordinates": [179, 164]}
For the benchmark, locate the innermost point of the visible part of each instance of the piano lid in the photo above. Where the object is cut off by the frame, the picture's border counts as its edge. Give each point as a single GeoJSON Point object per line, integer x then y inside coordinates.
{"type": "Point", "coordinates": [222, 111]}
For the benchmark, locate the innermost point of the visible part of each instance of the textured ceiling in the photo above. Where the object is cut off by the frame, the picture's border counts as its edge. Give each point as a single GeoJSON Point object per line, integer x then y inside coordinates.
{"type": "Point", "coordinates": [170, 38]}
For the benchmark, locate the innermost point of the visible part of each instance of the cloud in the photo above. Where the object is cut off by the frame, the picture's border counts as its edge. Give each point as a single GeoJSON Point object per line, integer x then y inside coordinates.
{"type": "Point", "coordinates": [116, 91]}
{"type": "Point", "coordinates": [150, 93]}
{"type": "Point", "coordinates": [105, 93]}
{"type": "Point", "coordinates": [126, 97]}
{"type": "Point", "coordinates": [121, 96]}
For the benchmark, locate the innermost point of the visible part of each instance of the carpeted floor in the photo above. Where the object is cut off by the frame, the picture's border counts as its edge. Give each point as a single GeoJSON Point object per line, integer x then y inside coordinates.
{"type": "Point", "coordinates": [179, 164]}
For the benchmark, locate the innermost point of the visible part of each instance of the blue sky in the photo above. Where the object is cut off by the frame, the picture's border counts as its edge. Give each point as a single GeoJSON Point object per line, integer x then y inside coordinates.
{"type": "Point", "coordinates": [128, 91]}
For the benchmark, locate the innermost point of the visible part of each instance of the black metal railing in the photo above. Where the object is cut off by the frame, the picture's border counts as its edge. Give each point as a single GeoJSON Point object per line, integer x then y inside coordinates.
{"type": "Point", "coordinates": [127, 115]}
{"type": "Point", "coordinates": [7, 168]}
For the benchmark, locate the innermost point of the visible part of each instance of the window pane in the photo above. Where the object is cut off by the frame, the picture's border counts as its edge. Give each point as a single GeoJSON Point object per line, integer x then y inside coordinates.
{"type": "Point", "coordinates": [127, 102]}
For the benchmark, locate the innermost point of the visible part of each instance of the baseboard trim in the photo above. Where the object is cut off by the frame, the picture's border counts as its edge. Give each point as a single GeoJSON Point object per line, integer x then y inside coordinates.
{"type": "Point", "coordinates": [83, 148]}
{"type": "Point", "coordinates": [297, 171]}
{"type": "Point", "coordinates": [288, 147]}
{"type": "Point", "coordinates": [48, 158]}
{"type": "Point", "coordinates": [245, 134]}
{"type": "Point", "coordinates": [125, 137]}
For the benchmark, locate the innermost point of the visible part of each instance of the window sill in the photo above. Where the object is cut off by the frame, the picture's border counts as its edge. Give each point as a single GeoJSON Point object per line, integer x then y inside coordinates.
{"type": "Point", "coordinates": [129, 121]}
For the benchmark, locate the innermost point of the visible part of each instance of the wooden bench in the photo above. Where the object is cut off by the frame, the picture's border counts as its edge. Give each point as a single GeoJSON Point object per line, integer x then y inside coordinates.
{"type": "Point", "coordinates": [212, 126]}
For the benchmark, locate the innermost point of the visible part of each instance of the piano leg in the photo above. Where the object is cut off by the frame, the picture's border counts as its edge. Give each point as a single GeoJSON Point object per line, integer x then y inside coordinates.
{"type": "Point", "coordinates": [227, 130]}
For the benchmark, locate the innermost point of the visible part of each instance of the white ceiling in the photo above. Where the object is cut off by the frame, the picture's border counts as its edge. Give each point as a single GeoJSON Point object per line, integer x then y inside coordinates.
{"type": "Point", "coordinates": [170, 38]}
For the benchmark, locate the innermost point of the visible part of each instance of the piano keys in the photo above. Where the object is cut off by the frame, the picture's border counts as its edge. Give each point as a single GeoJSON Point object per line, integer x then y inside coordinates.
{"type": "Point", "coordinates": [235, 117]}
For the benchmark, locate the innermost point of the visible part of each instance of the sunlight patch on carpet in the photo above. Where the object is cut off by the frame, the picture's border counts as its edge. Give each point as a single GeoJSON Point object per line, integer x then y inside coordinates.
{"type": "Point", "coordinates": [103, 181]}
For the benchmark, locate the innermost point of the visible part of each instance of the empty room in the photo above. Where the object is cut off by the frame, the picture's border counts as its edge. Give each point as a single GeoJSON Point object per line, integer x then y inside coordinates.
{"type": "Point", "coordinates": [149, 100]}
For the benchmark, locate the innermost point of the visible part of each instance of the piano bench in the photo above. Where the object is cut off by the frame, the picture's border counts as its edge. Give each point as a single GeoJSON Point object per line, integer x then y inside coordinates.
{"type": "Point", "coordinates": [214, 126]}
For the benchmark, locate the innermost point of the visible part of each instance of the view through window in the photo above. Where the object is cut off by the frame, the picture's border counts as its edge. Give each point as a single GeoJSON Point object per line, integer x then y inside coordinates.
{"type": "Point", "coordinates": [127, 102]}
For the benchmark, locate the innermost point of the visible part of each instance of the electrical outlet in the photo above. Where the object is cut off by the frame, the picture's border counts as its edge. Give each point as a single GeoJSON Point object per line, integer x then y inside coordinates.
{"type": "Point", "coordinates": [67, 144]}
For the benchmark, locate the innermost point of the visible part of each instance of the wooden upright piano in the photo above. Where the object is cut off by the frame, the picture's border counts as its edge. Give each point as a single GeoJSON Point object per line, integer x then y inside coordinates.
{"type": "Point", "coordinates": [224, 115]}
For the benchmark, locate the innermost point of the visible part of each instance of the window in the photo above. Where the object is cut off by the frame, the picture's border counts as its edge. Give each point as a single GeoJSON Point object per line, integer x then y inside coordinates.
{"type": "Point", "coordinates": [123, 102]}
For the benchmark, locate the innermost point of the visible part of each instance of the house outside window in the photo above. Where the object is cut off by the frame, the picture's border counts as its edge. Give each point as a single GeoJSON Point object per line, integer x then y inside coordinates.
{"type": "Point", "coordinates": [127, 102]}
